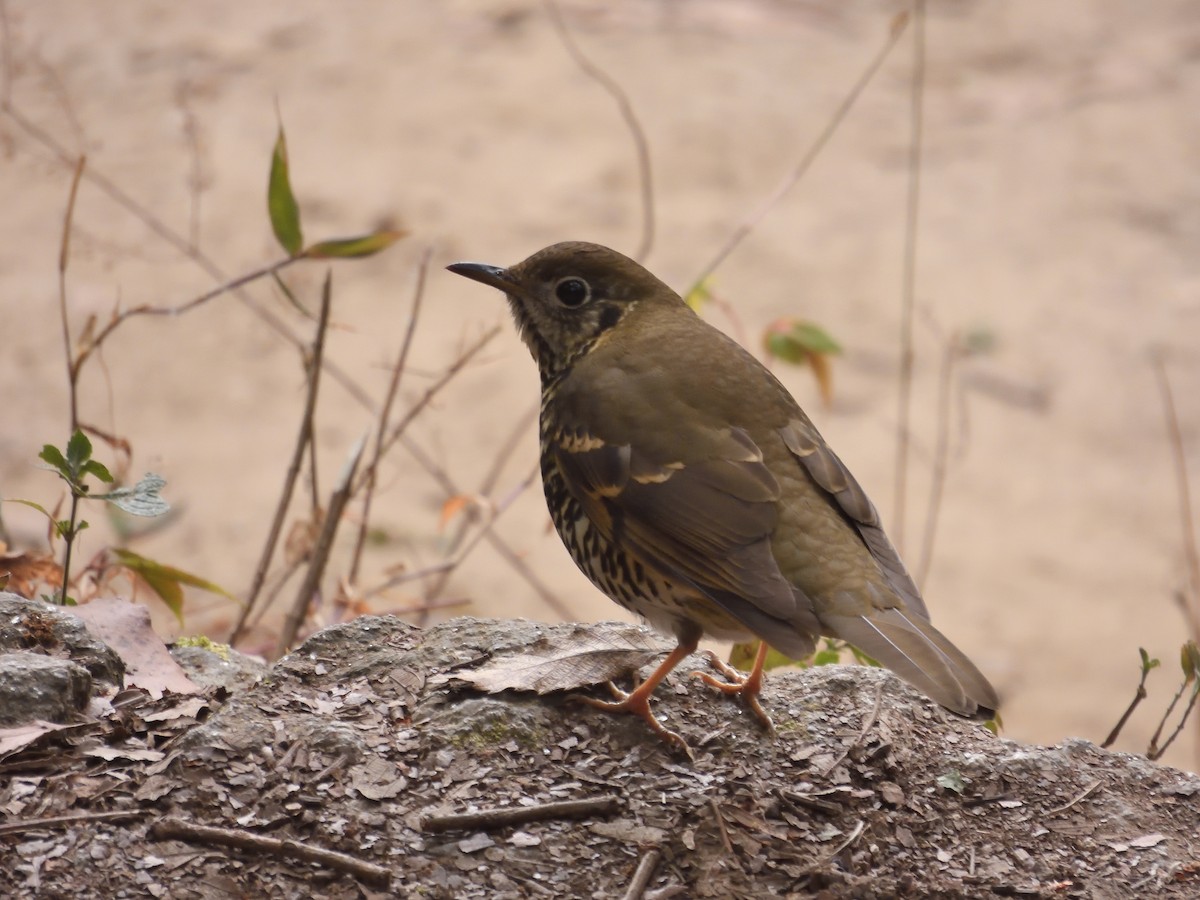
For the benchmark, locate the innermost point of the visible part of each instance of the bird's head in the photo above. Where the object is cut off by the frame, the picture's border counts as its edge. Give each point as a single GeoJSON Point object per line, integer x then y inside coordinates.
{"type": "Point", "coordinates": [566, 297]}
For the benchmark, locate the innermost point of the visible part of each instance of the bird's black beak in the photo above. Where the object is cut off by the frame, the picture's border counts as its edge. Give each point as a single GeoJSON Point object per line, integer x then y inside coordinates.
{"type": "Point", "coordinates": [481, 272]}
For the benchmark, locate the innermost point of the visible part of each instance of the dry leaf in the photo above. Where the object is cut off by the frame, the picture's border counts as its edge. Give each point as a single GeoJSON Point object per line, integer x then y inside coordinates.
{"type": "Point", "coordinates": [125, 627]}
{"type": "Point", "coordinates": [592, 654]}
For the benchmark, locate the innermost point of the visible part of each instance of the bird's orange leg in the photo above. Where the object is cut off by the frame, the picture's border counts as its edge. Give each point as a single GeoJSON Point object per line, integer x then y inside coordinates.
{"type": "Point", "coordinates": [637, 701]}
{"type": "Point", "coordinates": [740, 683]}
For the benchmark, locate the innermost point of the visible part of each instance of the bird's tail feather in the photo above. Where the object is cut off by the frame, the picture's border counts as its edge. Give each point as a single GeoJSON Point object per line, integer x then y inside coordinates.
{"type": "Point", "coordinates": [922, 656]}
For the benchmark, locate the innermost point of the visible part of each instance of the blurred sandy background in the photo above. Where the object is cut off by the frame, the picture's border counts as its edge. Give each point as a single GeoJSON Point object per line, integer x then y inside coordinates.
{"type": "Point", "coordinates": [1060, 219]}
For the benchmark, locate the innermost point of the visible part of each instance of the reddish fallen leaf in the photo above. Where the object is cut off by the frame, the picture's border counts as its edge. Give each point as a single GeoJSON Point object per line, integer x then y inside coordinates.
{"type": "Point", "coordinates": [125, 627]}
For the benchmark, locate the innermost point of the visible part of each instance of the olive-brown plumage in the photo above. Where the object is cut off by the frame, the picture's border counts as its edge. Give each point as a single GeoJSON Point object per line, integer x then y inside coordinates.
{"type": "Point", "coordinates": [691, 488]}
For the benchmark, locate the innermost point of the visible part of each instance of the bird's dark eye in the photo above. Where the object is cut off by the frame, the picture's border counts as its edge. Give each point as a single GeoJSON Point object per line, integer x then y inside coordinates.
{"type": "Point", "coordinates": [572, 291]}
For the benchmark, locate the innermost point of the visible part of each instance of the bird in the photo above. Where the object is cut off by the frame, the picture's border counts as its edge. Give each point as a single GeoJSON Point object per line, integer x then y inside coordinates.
{"type": "Point", "coordinates": [690, 487]}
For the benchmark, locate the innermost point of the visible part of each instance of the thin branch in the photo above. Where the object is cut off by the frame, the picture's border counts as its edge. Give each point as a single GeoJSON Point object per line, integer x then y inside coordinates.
{"type": "Point", "coordinates": [1175, 437]}
{"type": "Point", "coordinates": [631, 121]}
{"type": "Point", "coordinates": [116, 815]}
{"type": "Point", "coordinates": [372, 470]}
{"type": "Point", "coordinates": [720, 820]}
{"type": "Point", "coordinates": [320, 554]}
{"type": "Point", "coordinates": [64, 255]}
{"type": "Point", "coordinates": [293, 471]}
{"type": "Point", "coordinates": [169, 236]}
{"type": "Point", "coordinates": [1138, 696]}
{"type": "Point", "coordinates": [265, 847]}
{"type": "Point", "coordinates": [507, 449]}
{"type": "Point", "coordinates": [1082, 795]}
{"type": "Point", "coordinates": [501, 817]}
{"type": "Point", "coordinates": [908, 301]}
{"type": "Point", "coordinates": [868, 724]}
{"type": "Point", "coordinates": [432, 391]}
{"type": "Point", "coordinates": [748, 224]}
{"type": "Point", "coordinates": [941, 453]}
{"type": "Point", "coordinates": [642, 875]}
{"type": "Point", "coordinates": [450, 564]}
{"type": "Point", "coordinates": [1153, 751]}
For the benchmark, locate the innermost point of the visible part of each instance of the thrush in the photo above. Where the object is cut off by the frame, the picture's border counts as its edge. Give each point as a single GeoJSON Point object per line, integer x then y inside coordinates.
{"type": "Point", "coordinates": [692, 489]}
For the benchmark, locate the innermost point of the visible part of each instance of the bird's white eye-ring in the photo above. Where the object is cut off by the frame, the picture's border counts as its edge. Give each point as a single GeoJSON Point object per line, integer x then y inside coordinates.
{"type": "Point", "coordinates": [572, 291]}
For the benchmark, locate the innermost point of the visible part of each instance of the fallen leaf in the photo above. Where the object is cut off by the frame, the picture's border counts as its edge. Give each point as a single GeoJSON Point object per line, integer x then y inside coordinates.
{"type": "Point", "coordinates": [125, 627]}
{"type": "Point", "coordinates": [592, 654]}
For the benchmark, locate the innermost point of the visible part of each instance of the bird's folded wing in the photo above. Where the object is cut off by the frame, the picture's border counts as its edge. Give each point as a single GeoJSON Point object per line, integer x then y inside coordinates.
{"type": "Point", "coordinates": [705, 521]}
{"type": "Point", "coordinates": [831, 475]}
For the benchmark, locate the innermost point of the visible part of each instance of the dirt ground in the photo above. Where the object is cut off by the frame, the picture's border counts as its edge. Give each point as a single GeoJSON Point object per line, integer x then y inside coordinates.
{"type": "Point", "coordinates": [1059, 220]}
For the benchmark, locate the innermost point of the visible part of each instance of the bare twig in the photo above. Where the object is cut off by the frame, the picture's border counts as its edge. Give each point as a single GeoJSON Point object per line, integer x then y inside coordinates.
{"type": "Point", "coordinates": [1191, 609]}
{"type": "Point", "coordinates": [320, 554]}
{"type": "Point", "coordinates": [485, 489]}
{"type": "Point", "coordinates": [748, 224]}
{"type": "Point", "coordinates": [1138, 696]}
{"type": "Point", "coordinates": [371, 473]}
{"type": "Point", "coordinates": [642, 875]}
{"type": "Point", "coordinates": [6, 72]}
{"type": "Point", "coordinates": [64, 255]}
{"type": "Point", "coordinates": [941, 455]}
{"type": "Point", "coordinates": [176, 829]}
{"type": "Point", "coordinates": [868, 724]}
{"type": "Point", "coordinates": [487, 819]}
{"type": "Point", "coordinates": [720, 820]}
{"type": "Point", "coordinates": [642, 146]}
{"type": "Point", "coordinates": [169, 236]}
{"type": "Point", "coordinates": [445, 378]}
{"type": "Point", "coordinates": [908, 300]}
{"type": "Point", "coordinates": [293, 471]}
{"type": "Point", "coordinates": [1085, 793]}
{"type": "Point", "coordinates": [116, 815]}
{"type": "Point", "coordinates": [1154, 751]}
{"type": "Point", "coordinates": [448, 565]}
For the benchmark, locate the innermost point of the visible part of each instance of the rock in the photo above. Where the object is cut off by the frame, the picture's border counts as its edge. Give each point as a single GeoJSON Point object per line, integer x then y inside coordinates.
{"type": "Point", "coordinates": [33, 686]}
{"type": "Point", "coordinates": [43, 628]}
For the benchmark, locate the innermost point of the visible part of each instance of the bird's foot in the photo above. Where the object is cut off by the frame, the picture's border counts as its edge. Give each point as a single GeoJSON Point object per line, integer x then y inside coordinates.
{"type": "Point", "coordinates": [638, 703]}
{"type": "Point", "coordinates": [748, 686]}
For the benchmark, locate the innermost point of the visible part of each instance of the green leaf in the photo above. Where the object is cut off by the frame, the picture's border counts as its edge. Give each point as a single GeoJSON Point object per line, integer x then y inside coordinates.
{"type": "Point", "coordinates": [1147, 662]}
{"type": "Point", "coordinates": [140, 500]}
{"type": "Point", "coordinates": [94, 467]}
{"type": "Point", "coordinates": [699, 296]}
{"type": "Point", "coordinates": [166, 581]}
{"type": "Point", "coordinates": [952, 781]}
{"type": "Point", "coordinates": [1189, 661]}
{"type": "Point", "coordinates": [350, 248]}
{"type": "Point", "coordinates": [741, 656]}
{"type": "Point", "coordinates": [826, 657]}
{"type": "Point", "coordinates": [45, 512]}
{"type": "Point", "coordinates": [281, 202]}
{"type": "Point", "coordinates": [796, 341]}
{"type": "Point", "coordinates": [79, 451]}
{"type": "Point", "coordinates": [53, 456]}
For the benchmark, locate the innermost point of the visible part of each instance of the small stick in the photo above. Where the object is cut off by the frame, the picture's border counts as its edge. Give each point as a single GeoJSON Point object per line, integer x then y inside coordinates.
{"type": "Point", "coordinates": [1085, 793]}
{"type": "Point", "coordinates": [176, 829]}
{"type": "Point", "coordinates": [293, 471]}
{"type": "Point", "coordinates": [716, 810]}
{"type": "Point", "coordinates": [1138, 696]}
{"type": "Point", "coordinates": [115, 815]}
{"type": "Point", "coordinates": [867, 726]}
{"type": "Point", "coordinates": [642, 875]}
{"type": "Point", "coordinates": [320, 554]}
{"type": "Point", "coordinates": [1184, 492]}
{"type": "Point", "coordinates": [810, 155]}
{"type": "Point", "coordinates": [641, 145]}
{"type": "Point", "coordinates": [908, 295]}
{"type": "Point", "coordinates": [500, 817]}
{"type": "Point", "coordinates": [371, 473]}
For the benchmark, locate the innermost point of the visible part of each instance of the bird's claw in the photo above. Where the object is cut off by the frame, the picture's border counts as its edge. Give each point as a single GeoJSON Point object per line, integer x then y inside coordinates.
{"type": "Point", "coordinates": [739, 683]}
